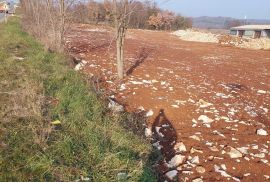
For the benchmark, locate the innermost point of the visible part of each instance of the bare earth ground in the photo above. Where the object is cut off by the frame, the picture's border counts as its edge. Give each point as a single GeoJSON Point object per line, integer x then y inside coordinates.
{"type": "Point", "coordinates": [214, 97]}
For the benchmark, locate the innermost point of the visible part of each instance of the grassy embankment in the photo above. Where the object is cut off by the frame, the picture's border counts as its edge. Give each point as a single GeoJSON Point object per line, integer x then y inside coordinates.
{"type": "Point", "coordinates": [36, 88]}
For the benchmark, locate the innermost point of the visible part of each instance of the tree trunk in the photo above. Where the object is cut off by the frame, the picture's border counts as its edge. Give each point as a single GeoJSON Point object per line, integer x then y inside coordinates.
{"type": "Point", "coordinates": [62, 24]}
{"type": "Point", "coordinates": [120, 29]}
{"type": "Point", "coordinates": [5, 16]}
{"type": "Point", "coordinates": [120, 58]}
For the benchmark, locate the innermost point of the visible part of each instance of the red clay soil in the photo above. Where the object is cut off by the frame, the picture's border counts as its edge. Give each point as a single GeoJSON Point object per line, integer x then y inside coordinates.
{"type": "Point", "coordinates": [227, 87]}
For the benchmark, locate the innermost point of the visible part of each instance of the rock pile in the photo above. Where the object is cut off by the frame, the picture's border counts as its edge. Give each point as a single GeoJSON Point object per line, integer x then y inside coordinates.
{"type": "Point", "coordinates": [247, 43]}
{"type": "Point", "coordinates": [227, 40]}
{"type": "Point", "coordinates": [196, 36]}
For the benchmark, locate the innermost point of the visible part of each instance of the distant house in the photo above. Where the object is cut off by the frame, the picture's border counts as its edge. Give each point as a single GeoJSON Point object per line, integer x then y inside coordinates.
{"type": "Point", "coordinates": [252, 31]}
{"type": "Point", "coordinates": [4, 7]}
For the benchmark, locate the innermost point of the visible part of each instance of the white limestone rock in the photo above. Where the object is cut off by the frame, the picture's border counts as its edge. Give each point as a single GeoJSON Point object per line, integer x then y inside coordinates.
{"type": "Point", "coordinates": [261, 92]}
{"type": "Point", "coordinates": [195, 160]}
{"type": "Point", "coordinates": [200, 169]}
{"type": "Point", "coordinates": [150, 113]}
{"type": "Point", "coordinates": [204, 104]}
{"type": "Point", "coordinates": [262, 132]}
{"type": "Point", "coordinates": [195, 137]}
{"type": "Point", "coordinates": [115, 107]}
{"type": "Point", "coordinates": [157, 145]}
{"type": "Point", "coordinates": [180, 147]}
{"type": "Point", "coordinates": [261, 156]}
{"type": "Point", "coordinates": [197, 180]}
{"type": "Point", "coordinates": [243, 150]}
{"type": "Point", "coordinates": [234, 154]}
{"type": "Point", "coordinates": [171, 174]}
{"type": "Point", "coordinates": [205, 119]}
{"type": "Point", "coordinates": [148, 132]}
{"type": "Point", "coordinates": [176, 161]}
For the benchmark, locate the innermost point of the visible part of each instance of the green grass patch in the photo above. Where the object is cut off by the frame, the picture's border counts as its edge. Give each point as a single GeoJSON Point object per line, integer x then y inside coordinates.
{"type": "Point", "coordinates": [36, 88]}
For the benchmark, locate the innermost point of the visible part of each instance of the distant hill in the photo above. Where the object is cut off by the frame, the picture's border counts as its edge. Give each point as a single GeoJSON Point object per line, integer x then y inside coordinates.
{"type": "Point", "coordinates": [206, 22]}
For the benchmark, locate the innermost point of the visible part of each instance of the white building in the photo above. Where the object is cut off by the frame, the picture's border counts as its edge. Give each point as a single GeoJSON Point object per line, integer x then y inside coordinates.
{"type": "Point", "coordinates": [4, 7]}
{"type": "Point", "coordinates": [252, 31]}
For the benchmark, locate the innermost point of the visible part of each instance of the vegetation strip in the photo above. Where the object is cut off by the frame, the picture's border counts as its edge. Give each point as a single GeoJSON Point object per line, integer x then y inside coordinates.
{"type": "Point", "coordinates": [53, 127]}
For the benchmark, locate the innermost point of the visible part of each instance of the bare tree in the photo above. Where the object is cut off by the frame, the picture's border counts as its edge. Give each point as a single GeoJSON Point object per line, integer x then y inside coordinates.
{"type": "Point", "coordinates": [121, 18]}
{"type": "Point", "coordinates": [5, 16]}
{"type": "Point", "coordinates": [156, 21]}
{"type": "Point", "coordinates": [47, 20]}
{"type": "Point", "coordinates": [62, 20]}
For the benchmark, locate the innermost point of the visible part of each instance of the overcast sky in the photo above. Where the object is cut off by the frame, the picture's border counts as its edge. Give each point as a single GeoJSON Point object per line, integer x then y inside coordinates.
{"type": "Point", "coordinates": [253, 9]}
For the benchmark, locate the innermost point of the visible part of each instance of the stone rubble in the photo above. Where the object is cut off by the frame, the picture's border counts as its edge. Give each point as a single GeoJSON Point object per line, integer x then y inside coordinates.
{"type": "Point", "coordinates": [200, 169]}
{"type": "Point", "coordinates": [197, 180]}
{"type": "Point", "coordinates": [205, 119]}
{"type": "Point", "coordinates": [115, 107]}
{"type": "Point", "coordinates": [171, 175]}
{"type": "Point", "coordinates": [176, 161]}
{"type": "Point", "coordinates": [233, 153]}
{"type": "Point", "coordinates": [180, 147]}
{"type": "Point", "coordinates": [262, 132]}
{"type": "Point", "coordinates": [227, 122]}
{"type": "Point", "coordinates": [195, 160]}
{"type": "Point", "coordinates": [148, 132]}
{"type": "Point", "coordinates": [149, 113]}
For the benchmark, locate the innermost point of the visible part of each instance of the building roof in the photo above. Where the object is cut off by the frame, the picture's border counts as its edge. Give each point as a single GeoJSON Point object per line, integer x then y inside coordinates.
{"type": "Point", "coordinates": [252, 27]}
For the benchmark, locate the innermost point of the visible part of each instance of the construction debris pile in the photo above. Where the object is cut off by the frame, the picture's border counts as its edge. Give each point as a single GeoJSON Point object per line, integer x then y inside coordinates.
{"type": "Point", "coordinates": [196, 36]}
{"type": "Point", "coordinates": [247, 43]}
{"type": "Point", "coordinates": [227, 40]}
{"type": "Point", "coordinates": [257, 44]}
{"type": "Point", "coordinates": [231, 41]}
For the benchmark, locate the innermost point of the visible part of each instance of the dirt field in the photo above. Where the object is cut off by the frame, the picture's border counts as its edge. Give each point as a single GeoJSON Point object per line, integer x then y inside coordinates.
{"type": "Point", "coordinates": [216, 100]}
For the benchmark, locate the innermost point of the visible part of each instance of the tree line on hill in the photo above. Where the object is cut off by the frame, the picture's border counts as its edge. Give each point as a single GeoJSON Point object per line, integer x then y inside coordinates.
{"type": "Point", "coordinates": [144, 15]}
{"type": "Point", "coordinates": [48, 20]}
